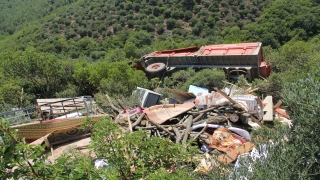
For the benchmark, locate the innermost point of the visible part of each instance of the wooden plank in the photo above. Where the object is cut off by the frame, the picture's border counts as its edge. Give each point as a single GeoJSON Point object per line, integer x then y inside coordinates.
{"type": "Point", "coordinates": [268, 109]}
{"type": "Point", "coordinates": [41, 140]}
{"type": "Point", "coordinates": [277, 105]}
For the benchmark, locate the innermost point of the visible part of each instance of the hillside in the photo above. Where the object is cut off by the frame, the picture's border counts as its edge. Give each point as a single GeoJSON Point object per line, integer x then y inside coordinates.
{"type": "Point", "coordinates": [16, 14]}
{"type": "Point", "coordinates": [67, 52]}
{"type": "Point", "coordinates": [87, 48]}
{"type": "Point", "coordinates": [103, 21]}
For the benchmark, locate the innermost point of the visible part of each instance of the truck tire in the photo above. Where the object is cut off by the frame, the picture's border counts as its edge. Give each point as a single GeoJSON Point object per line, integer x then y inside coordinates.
{"type": "Point", "coordinates": [156, 68]}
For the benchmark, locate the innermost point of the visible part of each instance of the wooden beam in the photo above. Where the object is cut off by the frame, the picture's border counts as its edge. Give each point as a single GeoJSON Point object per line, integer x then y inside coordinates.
{"type": "Point", "coordinates": [277, 105]}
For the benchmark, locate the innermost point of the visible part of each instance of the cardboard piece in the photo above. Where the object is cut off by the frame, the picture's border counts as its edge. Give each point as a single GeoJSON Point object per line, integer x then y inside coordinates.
{"type": "Point", "coordinates": [232, 155]}
{"type": "Point", "coordinates": [223, 140]}
{"type": "Point", "coordinates": [162, 113]}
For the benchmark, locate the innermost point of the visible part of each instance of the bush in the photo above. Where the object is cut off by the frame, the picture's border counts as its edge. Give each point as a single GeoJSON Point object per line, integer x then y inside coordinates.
{"type": "Point", "coordinates": [187, 15]}
{"type": "Point", "coordinates": [207, 78]}
{"type": "Point", "coordinates": [167, 13]}
{"type": "Point", "coordinates": [171, 23]}
{"type": "Point", "coordinates": [295, 152]}
{"type": "Point", "coordinates": [272, 86]}
{"type": "Point", "coordinates": [134, 155]}
{"type": "Point", "coordinates": [160, 29]}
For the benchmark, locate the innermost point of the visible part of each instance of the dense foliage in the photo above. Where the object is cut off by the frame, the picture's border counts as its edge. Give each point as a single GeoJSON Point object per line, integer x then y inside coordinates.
{"type": "Point", "coordinates": [15, 14]}
{"type": "Point", "coordinates": [88, 47]}
{"type": "Point", "coordinates": [290, 153]}
{"type": "Point", "coordinates": [75, 44]}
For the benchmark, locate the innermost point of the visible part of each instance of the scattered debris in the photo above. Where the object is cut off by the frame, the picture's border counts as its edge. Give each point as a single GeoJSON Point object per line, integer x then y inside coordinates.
{"type": "Point", "coordinates": [60, 130]}
{"type": "Point", "coordinates": [162, 113]}
{"type": "Point", "coordinates": [101, 163]}
{"type": "Point", "coordinates": [147, 97]}
{"type": "Point", "coordinates": [65, 148]}
{"type": "Point", "coordinates": [218, 122]}
{"type": "Point", "coordinates": [244, 161]}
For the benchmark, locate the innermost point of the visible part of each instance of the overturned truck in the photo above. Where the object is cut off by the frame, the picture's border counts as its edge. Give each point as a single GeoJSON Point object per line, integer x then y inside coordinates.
{"type": "Point", "coordinates": [235, 59]}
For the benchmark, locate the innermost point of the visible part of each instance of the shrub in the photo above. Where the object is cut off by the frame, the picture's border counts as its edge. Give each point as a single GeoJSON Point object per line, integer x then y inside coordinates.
{"type": "Point", "coordinates": [207, 78]}
{"type": "Point", "coordinates": [295, 152]}
{"type": "Point", "coordinates": [271, 86]}
{"type": "Point", "coordinates": [171, 23]}
{"type": "Point", "coordinates": [134, 155]}
{"type": "Point", "coordinates": [160, 29]}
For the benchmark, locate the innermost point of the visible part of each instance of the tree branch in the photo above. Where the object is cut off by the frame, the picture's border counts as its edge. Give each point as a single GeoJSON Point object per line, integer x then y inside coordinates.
{"type": "Point", "coordinates": [112, 106]}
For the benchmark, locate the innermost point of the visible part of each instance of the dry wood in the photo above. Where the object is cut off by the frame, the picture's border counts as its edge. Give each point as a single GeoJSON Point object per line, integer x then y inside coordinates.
{"type": "Point", "coordinates": [160, 127]}
{"type": "Point", "coordinates": [148, 132]}
{"type": "Point", "coordinates": [143, 123]}
{"type": "Point", "coordinates": [198, 117]}
{"type": "Point", "coordinates": [178, 135]}
{"type": "Point", "coordinates": [198, 135]}
{"type": "Point", "coordinates": [129, 121]}
{"type": "Point", "coordinates": [277, 105]}
{"type": "Point", "coordinates": [185, 117]}
{"type": "Point", "coordinates": [202, 111]}
{"type": "Point", "coordinates": [187, 131]}
{"type": "Point", "coordinates": [213, 120]}
{"type": "Point", "coordinates": [206, 110]}
{"type": "Point", "coordinates": [112, 106]}
{"type": "Point", "coordinates": [138, 120]}
{"type": "Point", "coordinates": [252, 90]}
{"type": "Point", "coordinates": [46, 141]}
{"type": "Point", "coordinates": [52, 155]}
{"type": "Point", "coordinates": [121, 104]}
{"type": "Point", "coordinates": [237, 104]}
{"type": "Point", "coordinates": [150, 127]}
{"type": "Point", "coordinates": [164, 126]}
{"type": "Point", "coordinates": [201, 136]}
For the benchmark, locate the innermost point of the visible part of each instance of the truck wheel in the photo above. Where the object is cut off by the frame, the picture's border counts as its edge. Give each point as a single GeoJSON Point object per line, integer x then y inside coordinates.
{"type": "Point", "coordinates": [156, 68]}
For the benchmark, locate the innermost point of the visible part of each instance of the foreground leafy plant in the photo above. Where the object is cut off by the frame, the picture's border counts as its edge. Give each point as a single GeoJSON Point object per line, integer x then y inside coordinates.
{"type": "Point", "coordinates": [17, 158]}
{"type": "Point", "coordinates": [134, 155]}
{"type": "Point", "coordinates": [291, 153]}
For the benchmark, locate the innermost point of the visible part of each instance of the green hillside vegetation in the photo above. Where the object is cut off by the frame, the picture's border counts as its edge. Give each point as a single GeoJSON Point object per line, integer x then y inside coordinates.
{"type": "Point", "coordinates": [85, 48]}
{"type": "Point", "coordinates": [107, 24]}
{"type": "Point", "coordinates": [16, 14]}
{"type": "Point", "coordinates": [77, 43]}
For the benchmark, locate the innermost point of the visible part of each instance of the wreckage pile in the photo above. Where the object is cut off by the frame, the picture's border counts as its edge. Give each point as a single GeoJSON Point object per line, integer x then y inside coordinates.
{"type": "Point", "coordinates": [218, 122]}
